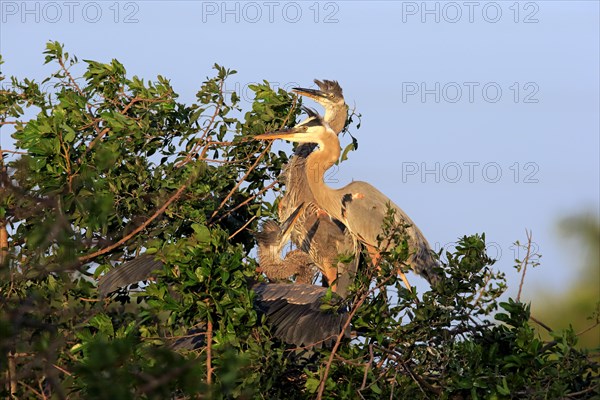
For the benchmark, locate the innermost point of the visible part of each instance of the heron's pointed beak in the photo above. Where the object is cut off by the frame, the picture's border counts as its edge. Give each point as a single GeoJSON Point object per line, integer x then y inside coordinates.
{"type": "Point", "coordinates": [310, 93]}
{"type": "Point", "coordinates": [288, 134]}
{"type": "Point", "coordinates": [285, 227]}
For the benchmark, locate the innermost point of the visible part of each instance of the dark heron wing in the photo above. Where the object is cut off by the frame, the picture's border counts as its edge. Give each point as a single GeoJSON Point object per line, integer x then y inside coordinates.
{"type": "Point", "coordinates": [138, 269]}
{"type": "Point", "coordinates": [299, 314]}
{"type": "Point", "coordinates": [294, 312]}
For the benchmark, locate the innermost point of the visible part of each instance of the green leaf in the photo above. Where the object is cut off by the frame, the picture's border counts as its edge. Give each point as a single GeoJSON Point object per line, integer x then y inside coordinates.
{"type": "Point", "coordinates": [103, 323]}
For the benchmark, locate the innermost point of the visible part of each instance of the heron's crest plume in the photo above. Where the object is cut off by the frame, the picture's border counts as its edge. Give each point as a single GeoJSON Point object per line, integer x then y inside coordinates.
{"type": "Point", "coordinates": [330, 87]}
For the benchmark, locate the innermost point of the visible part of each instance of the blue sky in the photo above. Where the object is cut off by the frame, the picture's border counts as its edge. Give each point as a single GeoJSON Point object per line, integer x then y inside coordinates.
{"type": "Point", "coordinates": [476, 116]}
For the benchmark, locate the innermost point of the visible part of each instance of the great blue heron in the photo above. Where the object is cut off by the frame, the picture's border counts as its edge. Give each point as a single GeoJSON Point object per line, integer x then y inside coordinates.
{"type": "Point", "coordinates": [359, 206]}
{"type": "Point", "coordinates": [315, 233]}
{"type": "Point", "coordinates": [294, 311]}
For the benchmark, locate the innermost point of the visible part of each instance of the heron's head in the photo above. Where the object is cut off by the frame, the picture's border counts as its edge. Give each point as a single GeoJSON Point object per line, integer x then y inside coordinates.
{"type": "Point", "coordinates": [268, 236]}
{"type": "Point", "coordinates": [272, 235]}
{"type": "Point", "coordinates": [329, 93]}
{"type": "Point", "coordinates": [312, 130]}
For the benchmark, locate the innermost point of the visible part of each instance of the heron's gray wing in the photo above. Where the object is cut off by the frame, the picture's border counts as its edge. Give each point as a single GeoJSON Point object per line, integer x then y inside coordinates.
{"type": "Point", "coordinates": [295, 313]}
{"type": "Point", "coordinates": [138, 269]}
{"type": "Point", "coordinates": [365, 207]}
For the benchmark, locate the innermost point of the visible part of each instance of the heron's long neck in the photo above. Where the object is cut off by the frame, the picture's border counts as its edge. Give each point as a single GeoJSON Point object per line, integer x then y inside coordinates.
{"type": "Point", "coordinates": [317, 163]}
{"type": "Point", "coordinates": [336, 116]}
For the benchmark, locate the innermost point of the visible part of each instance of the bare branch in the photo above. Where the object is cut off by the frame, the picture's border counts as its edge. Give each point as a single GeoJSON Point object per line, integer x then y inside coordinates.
{"type": "Point", "coordinates": [524, 263]}
{"type": "Point", "coordinates": [158, 212]}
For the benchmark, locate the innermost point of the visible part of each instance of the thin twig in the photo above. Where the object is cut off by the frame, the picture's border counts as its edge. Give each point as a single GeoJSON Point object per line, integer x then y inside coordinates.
{"type": "Point", "coordinates": [209, 368]}
{"type": "Point", "coordinates": [240, 181]}
{"type": "Point", "coordinates": [540, 323]}
{"type": "Point", "coordinates": [242, 228]}
{"type": "Point", "coordinates": [64, 371]}
{"type": "Point", "coordinates": [207, 129]}
{"type": "Point", "coordinates": [40, 381]}
{"type": "Point", "coordinates": [12, 374]}
{"type": "Point", "coordinates": [260, 156]}
{"type": "Point", "coordinates": [590, 389]}
{"type": "Point", "coordinates": [13, 152]}
{"type": "Point", "coordinates": [61, 62]}
{"type": "Point", "coordinates": [249, 199]}
{"type": "Point", "coordinates": [341, 335]}
{"type": "Point", "coordinates": [524, 263]}
{"type": "Point", "coordinates": [350, 315]}
{"type": "Point", "coordinates": [367, 367]}
{"type": "Point", "coordinates": [480, 294]}
{"type": "Point", "coordinates": [588, 329]}
{"type": "Point", "coordinates": [39, 395]}
{"type": "Point", "coordinates": [138, 229]}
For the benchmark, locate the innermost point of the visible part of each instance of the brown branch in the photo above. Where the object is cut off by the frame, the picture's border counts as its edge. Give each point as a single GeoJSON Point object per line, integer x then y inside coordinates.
{"type": "Point", "coordinates": [249, 199]}
{"type": "Point", "coordinates": [38, 394]}
{"type": "Point", "coordinates": [61, 62]}
{"type": "Point", "coordinates": [338, 341]}
{"type": "Point", "coordinates": [240, 181]}
{"type": "Point", "coordinates": [355, 308]}
{"type": "Point", "coordinates": [242, 228]}
{"type": "Point", "coordinates": [12, 374]}
{"type": "Point", "coordinates": [103, 133]}
{"type": "Point", "coordinates": [480, 294]}
{"type": "Point", "coordinates": [138, 229]}
{"type": "Point", "coordinates": [350, 362]}
{"type": "Point", "coordinates": [90, 300]}
{"type": "Point", "coordinates": [93, 142]}
{"type": "Point", "coordinates": [14, 152]}
{"type": "Point", "coordinates": [287, 117]}
{"type": "Point", "coordinates": [209, 367]}
{"type": "Point", "coordinates": [207, 129]}
{"type": "Point", "coordinates": [254, 164]}
{"type": "Point", "coordinates": [575, 394]}
{"type": "Point", "coordinates": [61, 369]}
{"type": "Point", "coordinates": [67, 162]}
{"type": "Point", "coordinates": [367, 367]}
{"type": "Point", "coordinates": [3, 242]}
{"type": "Point", "coordinates": [588, 329]}
{"type": "Point", "coordinates": [540, 323]}
{"type": "Point", "coordinates": [41, 387]}
{"type": "Point", "coordinates": [418, 379]}
{"type": "Point", "coordinates": [524, 264]}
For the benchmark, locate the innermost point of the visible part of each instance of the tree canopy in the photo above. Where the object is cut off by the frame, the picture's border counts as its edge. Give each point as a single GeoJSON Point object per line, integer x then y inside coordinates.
{"type": "Point", "coordinates": [109, 166]}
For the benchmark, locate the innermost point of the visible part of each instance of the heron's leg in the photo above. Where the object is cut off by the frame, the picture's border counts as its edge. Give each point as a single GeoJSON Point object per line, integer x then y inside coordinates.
{"type": "Point", "coordinates": [330, 272]}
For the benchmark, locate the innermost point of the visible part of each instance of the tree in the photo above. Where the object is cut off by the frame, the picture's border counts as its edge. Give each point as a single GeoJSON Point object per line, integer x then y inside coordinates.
{"type": "Point", "coordinates": [110, 166]}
